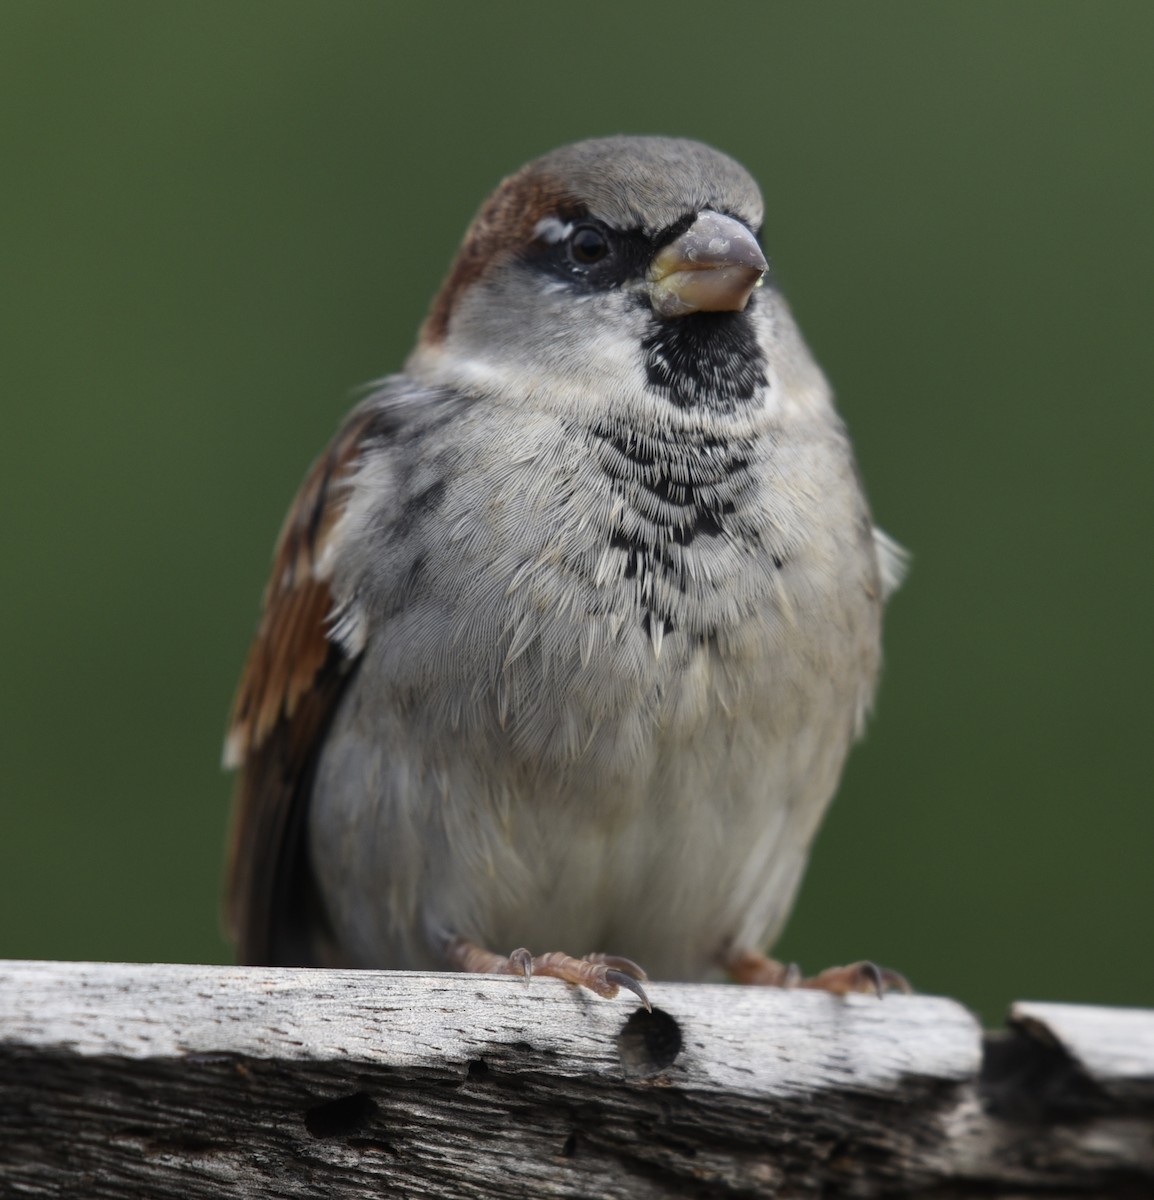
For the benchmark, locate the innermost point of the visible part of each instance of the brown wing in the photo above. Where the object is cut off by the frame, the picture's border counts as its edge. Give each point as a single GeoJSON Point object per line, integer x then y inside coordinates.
{"type": "Point", "coordinates": [292, 680]}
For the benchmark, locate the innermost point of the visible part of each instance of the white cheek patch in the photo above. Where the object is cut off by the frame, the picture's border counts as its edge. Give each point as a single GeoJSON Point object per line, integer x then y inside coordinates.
{"type": "Point", "coordinates": [552, 230]}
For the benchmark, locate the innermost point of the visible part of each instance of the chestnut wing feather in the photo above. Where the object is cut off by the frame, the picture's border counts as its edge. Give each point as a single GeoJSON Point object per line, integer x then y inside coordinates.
{"type": "Point", "coordinates": [293, 678]}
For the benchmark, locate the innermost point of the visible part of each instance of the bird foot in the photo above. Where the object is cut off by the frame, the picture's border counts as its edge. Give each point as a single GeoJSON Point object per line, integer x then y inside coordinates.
{"type": "Point", "coordinates": [751, 967]}
{"type": "Point", "coordinates": [604, 974]}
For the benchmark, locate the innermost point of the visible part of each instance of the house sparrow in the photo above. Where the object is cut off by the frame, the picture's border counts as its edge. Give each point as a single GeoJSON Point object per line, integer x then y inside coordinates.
{"type": "Point", "coordinates": [572, 626]}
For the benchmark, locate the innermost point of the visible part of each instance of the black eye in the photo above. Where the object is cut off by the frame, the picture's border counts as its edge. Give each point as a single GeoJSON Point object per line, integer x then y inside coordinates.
{"type": "Point", "coordinates": [588, 245]}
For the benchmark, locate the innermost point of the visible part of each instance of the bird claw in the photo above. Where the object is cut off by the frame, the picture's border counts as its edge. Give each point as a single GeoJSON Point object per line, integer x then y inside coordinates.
{"type": "Point", "coordinates": [521, 963]}
{"type": "Point", "coordinates": [862, 976]}
{"type": "Point", "coordinates": [865, 976]}
{"type": "Point", "coordinates": [621, 979]}
{"type": "Point", "coordinates": [617, 963]}
{"type": "Point", "coordinates": [604, 974]}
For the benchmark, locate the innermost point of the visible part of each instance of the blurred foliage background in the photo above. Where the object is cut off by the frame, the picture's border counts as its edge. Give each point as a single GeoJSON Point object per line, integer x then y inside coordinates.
{"type": "Point", "coordinates": [219, 218]}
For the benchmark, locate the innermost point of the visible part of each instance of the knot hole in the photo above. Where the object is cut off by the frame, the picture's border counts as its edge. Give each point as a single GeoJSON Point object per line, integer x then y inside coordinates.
{"type": "Point", "coordinates": [649, 1042]}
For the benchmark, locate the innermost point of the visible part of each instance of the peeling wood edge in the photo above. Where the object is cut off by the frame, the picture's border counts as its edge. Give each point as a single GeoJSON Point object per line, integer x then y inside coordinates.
{"type": "Point", "coordinates": [752, 1090]}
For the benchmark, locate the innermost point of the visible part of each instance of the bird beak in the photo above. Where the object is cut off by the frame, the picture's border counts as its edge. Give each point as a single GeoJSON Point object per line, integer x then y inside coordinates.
{"type": "Point", "coordinates": [712, 267]}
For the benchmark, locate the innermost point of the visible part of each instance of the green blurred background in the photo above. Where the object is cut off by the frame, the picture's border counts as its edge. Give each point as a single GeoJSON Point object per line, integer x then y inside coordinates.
{"type": "Point", "coordinates": [218, 218]}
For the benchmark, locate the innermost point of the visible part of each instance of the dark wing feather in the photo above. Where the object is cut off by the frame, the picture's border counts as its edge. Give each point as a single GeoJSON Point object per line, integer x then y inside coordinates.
{"type": "Point", "coordinates": [292, 681]}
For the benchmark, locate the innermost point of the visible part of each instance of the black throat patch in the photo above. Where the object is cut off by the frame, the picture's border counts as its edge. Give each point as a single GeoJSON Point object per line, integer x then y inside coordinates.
{"type": "Point", "coordinates": [705, 360]}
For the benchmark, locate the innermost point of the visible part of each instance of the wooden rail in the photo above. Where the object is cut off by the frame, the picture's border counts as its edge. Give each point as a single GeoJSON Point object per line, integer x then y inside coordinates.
{"type": "Point", "coordinates": [121, 1080]}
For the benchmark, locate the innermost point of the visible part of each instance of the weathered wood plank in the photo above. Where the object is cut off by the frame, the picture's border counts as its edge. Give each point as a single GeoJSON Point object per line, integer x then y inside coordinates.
{"type": "Point", "coordinates": [1114, 1046]}
{"type": "Point", "coordinates": [125, 1080]}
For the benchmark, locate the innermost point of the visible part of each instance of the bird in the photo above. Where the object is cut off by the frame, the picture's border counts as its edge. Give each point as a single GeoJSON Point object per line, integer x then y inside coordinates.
{"type": "Point", "coordinates": [571, 627]}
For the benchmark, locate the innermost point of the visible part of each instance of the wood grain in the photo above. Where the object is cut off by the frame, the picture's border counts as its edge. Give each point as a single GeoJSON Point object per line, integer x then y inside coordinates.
{"type": "Point", "coordinates": [122, 1080]}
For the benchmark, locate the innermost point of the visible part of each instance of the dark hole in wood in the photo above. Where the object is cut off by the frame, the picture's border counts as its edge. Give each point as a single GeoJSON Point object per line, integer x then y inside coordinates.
{"type": "Point", "coordinates": [570, 1147]}
{"type": "Point", "coordinates": [1027, 1076]}
{"type": "Point", "coordinates": [478, 1070]}
{"type": "Point", "coordinates": [649, 1042]}
{"type": "Point", "coordinates": [340, 1117]}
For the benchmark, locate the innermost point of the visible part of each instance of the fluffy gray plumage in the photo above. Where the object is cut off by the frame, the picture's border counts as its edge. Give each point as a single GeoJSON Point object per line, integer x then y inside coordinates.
{"type": "Point", "coordinates": [613, 636]}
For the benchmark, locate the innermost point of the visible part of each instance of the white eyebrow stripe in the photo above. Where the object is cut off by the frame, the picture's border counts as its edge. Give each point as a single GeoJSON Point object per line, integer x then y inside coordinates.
{"type": "Point", "coordinates": [552, 230]}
